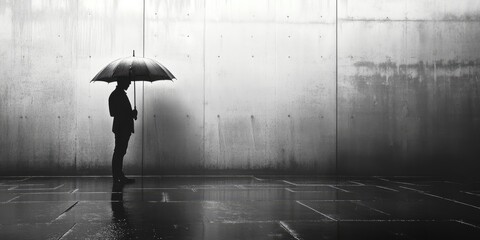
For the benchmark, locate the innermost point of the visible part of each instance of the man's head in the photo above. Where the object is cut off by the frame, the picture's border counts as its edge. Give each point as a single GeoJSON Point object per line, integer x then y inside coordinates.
{"type": "Point", "coordinates": [124, 84]}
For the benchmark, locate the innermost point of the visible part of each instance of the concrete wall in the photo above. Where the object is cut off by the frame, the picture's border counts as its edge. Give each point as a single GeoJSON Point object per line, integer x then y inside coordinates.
{"type": "Point", "coordinates": [256, 87]}
{"type": "Point", "coordinates": [253, 92]}
{"type": "Point", "coordinates": [53, 121]}
{"type": "Point", "coordinates": [409, 87]}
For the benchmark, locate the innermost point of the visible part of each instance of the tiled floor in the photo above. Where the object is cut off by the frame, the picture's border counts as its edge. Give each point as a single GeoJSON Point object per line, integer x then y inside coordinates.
{"type": "Point", "coordinates": [239, 207]}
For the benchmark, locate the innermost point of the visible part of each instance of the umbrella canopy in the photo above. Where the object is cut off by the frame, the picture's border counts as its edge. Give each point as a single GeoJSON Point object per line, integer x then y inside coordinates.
{"type": "Point", "coordinates": [135, 69]}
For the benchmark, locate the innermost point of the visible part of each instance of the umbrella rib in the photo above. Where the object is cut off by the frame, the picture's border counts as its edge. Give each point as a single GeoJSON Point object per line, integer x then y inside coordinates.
{"type": "Point", "coordinates": [132, 66]}
{"type": "Point", "coordinates": [170, 75]}
{"type": "Point", "coordinates": [116, 67]}
{"type": "Point", "coordinates": [138, 70]}
{"type": "Point", "coordinates": [147, 75]}
{"type": "Point", "coordinates": [162, 68]}
{"type": "Point", "coordinates": [126, 62]}
{"type": "Point", "coordinates": [152, 64]}
{"type": "Point", "coordinates": [158, 70]}
{"type": "Point", "coordinates": [103, 69]}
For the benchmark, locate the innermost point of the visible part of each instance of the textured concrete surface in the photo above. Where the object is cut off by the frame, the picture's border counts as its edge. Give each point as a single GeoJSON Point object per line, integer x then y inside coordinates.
{"type": "Point", "coordinates": [239, 207]}
{"type": "Point", "coordinates": [253, 92]}
{"type": "Point", "coordinates": [408, 87]}
{"type": "Point", "coordinates": [256, 88]}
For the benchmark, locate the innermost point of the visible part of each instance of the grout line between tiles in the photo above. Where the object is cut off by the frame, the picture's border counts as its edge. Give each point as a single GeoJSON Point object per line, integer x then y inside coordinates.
{"type": "Point", "coordinates": [446, 199]}
{"type": "Point", "coordinates": [386, 188]}
{"type": "Point", "coordinates": [468, 224]}
{"type": "Point", "coordinates": [343, 190]}
{"type": "Point", "coordinates": [313, 209]}
{"type": "Point", "coordinates": [290, 231]}
{"type": "Point", "coordinates": [291, 183]}
{"type": "Point", "coordinates": [12, 199]}
{"type": "Point", "coordinates": [68, 231]}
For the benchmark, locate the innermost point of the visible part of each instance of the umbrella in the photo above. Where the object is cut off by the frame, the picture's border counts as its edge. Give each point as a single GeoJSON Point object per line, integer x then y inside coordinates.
{"type": "Point", "coordinates": [133, 69]}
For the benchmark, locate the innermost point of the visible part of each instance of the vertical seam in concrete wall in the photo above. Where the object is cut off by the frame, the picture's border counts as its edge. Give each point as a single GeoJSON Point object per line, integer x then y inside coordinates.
{"type": "Point", "coordinates": [275, 98]}
{"type": "Point", "coordinates": [143, 39]}
{"type": "Point", "coordinates": [275, 74]}
{"type": "Point", "coordinates": [143, 88]}
{"type": "Point", "coordinates": [336, 87]}
{"type": "Point", "coordinates": [76, 105]}
{"type": "Point", "coordinates": [204, 69]}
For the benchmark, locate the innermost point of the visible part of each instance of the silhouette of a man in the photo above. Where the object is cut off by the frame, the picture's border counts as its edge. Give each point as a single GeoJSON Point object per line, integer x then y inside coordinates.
{"type": "Point", "coordinates": [123, 116]}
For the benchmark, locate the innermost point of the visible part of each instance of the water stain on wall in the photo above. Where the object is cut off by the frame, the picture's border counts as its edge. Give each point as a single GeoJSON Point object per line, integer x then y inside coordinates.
{"type": "Point", "coordinates": [415, 118]}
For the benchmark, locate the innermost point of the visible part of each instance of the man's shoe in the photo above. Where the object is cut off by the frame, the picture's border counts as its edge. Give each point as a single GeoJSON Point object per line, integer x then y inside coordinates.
{"type": "Point", "coordinates": [117, 180]}
{"type": "Point", "coordinates": [127, 180]}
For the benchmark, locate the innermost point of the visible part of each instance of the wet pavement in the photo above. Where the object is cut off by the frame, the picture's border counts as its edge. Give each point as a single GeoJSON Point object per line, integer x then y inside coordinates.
{"type": "Point", "coordinates": [239, 207]}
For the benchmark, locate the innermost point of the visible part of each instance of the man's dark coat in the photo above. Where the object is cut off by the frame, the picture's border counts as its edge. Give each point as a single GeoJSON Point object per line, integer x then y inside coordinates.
{"type": "Point", "coordinates": [121, 111]}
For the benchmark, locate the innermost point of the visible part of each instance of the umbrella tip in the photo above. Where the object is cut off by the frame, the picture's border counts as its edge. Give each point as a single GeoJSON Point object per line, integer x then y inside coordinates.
{"type": "Point", "coordinates": [134, 53]}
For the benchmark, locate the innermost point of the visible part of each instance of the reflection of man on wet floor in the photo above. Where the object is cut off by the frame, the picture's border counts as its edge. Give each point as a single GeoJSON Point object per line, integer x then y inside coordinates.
{"type": "Point", "coordinates": [120, 216]}
{"type": "Point", "coordinates": [118, 209]}
{"type": "Point", "coordinates": [123, 115]}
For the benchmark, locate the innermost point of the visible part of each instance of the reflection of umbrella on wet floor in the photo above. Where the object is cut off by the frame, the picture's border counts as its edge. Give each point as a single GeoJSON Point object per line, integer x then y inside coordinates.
{"type": "Point", "coordinates": [134, 69]}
